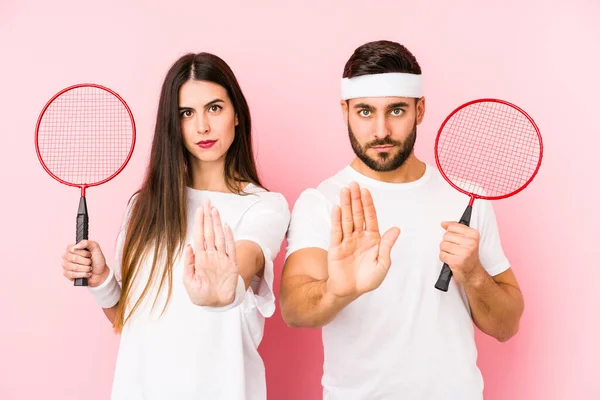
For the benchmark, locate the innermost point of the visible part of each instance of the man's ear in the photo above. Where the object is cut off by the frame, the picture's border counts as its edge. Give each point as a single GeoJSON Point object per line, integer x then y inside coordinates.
{"type": "Point", "coordinates": [345, 104]}
{"type": "Point", "coordinates": [420, 110]}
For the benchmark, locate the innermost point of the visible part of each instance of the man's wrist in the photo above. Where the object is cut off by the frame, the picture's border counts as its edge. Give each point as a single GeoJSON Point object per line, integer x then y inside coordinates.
{"type": "Point", "coordinates": [477, 278]}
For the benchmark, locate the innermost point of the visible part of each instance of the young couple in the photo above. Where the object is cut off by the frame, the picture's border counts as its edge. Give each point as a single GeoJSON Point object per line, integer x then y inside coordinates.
{"type": "Point", "coordinates": [192, 282]}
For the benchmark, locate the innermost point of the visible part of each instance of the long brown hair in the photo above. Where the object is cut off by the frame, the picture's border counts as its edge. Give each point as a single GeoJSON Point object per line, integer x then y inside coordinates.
{"type": "Point", "coordinates": [157, 221]}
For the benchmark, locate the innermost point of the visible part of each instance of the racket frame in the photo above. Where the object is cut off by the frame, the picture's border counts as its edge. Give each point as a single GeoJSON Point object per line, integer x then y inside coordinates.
{"type": "Point", "coordinates": [443, 282]}
{"type": "Point", "coordinates": [473, 195]}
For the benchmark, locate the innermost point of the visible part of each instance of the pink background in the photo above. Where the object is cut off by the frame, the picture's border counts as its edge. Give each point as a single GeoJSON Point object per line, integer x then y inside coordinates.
{"type": "Point", "coordinates": [542, 55]}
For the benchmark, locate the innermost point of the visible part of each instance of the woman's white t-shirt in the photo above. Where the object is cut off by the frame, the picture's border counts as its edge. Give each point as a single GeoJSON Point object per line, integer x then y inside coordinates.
{"type": "Point", "coordinates": [190, 352]}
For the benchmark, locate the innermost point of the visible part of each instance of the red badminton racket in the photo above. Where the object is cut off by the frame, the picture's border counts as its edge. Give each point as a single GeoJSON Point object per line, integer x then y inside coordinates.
{"type": "Point", "coordinates": [84, 137]}
{"type": "Point", "coordinates": [487, 149]}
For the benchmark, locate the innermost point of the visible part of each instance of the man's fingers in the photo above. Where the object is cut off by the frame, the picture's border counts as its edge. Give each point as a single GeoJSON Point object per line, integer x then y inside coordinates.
{"type": "Point", "coordinates": [455, 227]}
{"type": "Point", "coordinates": [448, 258]}
{"type": "Point", "coordinates": [345, 204]}
{"type": "Point", "coordinates": [336, 226]}
{"type": "Point", "coordinates": [371, 223]}
{"type": "Point", "coordinates": [358, 218]}
{"type": "Point", "coordinates": [385, 246]}
{"type": "Point", "coordinates": [450, 248]}
{"type": "Point", "coordinates": [454, 249]}
{"type": "Point", "coordinates": [458, 239]}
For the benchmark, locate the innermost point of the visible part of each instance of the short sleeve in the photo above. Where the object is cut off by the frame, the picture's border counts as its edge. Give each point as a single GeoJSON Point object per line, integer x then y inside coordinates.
{"type": "Point", "coordinates": [491, 254]}
{"type": "Point", "coordinates": [265, 223]}
{"type": "Point", "coordinates": [310, 224]}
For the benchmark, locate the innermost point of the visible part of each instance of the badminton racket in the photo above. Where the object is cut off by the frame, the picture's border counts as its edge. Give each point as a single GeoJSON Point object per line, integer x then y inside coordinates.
{"type": "Point", "coordinates": [487, 149]}
{"type": "Point", "coordinates": [84, 137]}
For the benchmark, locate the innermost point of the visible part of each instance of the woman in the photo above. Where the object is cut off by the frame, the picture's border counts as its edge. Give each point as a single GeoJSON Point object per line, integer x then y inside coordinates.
{"type": "Point", "coordinates": [193, 279]}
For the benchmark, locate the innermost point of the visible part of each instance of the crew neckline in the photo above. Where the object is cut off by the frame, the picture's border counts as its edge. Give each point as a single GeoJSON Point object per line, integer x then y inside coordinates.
{"type": "Point", "coordinates": [249, 188]}
{"type": "Point", "coordinates": [363, 179]}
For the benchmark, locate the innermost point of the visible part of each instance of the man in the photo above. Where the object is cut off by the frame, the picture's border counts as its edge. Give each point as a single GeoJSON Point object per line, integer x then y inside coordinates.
{"type": "Point", "coordinates": [387, 332]}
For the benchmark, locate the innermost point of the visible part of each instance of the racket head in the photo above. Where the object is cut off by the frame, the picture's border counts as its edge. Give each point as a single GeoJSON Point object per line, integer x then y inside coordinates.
{"type": "Point", "coordinates": [85, 135]}
{"type": "Point", "coordinates": [489, 149]}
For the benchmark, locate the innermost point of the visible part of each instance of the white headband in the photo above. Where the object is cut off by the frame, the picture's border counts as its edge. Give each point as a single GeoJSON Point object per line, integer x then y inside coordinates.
{"type": "Point", "coordinates": [391, 84]}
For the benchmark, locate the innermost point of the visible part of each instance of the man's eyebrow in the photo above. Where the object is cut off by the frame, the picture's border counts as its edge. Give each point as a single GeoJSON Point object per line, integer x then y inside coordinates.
{"type": "Point", "coordinates": [400, 104]}
{"type": "Point", "coordinates": [364, 106]}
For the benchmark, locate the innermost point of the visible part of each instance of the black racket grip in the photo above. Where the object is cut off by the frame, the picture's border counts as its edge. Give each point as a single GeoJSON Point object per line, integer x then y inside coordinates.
{"type": "Point", "coordinates": [443, 282]}
{"type": "Point", "coordinates": [82, 233]}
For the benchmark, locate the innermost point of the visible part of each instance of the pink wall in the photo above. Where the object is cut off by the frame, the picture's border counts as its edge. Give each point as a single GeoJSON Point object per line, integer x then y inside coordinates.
{"type": "Point", "coordinates": [542, 55]}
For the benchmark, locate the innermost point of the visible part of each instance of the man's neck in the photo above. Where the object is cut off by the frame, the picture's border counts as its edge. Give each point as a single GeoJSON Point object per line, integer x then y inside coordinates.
{"type": "Point", "coordinates": [410, 171]}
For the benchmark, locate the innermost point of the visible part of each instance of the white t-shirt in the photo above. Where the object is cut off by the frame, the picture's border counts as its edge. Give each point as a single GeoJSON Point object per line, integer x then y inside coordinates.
{"type": "Point", "coordinates": [189, 353]}
{"type": "Point", "coordinates": [406, 339]}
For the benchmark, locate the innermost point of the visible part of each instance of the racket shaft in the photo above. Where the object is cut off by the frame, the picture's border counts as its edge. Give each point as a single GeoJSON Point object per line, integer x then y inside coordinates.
{"type": "Point", "coordinates": [82, 232]}
{"type": "Point", "coordinates": [443, 282]}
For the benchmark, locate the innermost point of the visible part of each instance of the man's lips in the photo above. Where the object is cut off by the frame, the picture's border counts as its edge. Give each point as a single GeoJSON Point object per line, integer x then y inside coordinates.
{"type": "Point", "coordinates": [385, 147]}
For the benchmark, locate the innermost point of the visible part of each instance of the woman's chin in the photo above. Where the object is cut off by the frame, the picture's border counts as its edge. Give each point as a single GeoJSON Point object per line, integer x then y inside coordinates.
{"type": "Point", "coordinates": [208, 157]}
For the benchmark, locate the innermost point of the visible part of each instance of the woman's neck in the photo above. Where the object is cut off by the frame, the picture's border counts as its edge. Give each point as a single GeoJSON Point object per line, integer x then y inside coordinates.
{"type": "Point", "coordinates": [209, 176]}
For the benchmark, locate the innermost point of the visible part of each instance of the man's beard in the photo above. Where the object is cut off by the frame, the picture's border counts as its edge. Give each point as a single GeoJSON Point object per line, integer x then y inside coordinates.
{"type": "Point", "coordinates": [384, 161]}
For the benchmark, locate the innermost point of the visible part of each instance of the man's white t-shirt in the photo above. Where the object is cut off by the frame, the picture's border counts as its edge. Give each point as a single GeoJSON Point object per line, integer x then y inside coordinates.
{"type": "Point", "coordinates": [190, 352]}
{"type": "Point", "coordinates": [406, 339]}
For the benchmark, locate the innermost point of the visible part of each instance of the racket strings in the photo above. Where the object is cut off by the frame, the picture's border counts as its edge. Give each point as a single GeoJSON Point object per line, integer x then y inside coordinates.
{"type": "Point", "coordinates": [489, 149]}
{"type": "Point", "coordinates": [85, 135]}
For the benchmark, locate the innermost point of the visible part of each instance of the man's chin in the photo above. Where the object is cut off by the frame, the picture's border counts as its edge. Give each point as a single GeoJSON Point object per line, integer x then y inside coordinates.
{"type": "Point", "coordinates": [379, 166]}
{"type": "Point", "coordinates": [390, 163]}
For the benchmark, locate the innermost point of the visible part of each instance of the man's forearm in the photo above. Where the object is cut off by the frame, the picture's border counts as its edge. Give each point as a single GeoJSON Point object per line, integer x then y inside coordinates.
{"type": "Point", "coordinates": [496, 307]}
{"type": "Point", "coordinates": [306, 302]}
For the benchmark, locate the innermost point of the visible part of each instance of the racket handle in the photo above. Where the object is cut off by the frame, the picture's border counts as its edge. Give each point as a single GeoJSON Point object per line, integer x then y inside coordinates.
{"type": "Point", "coordinates": [82, 232]}
{"type": "Point", "coordinates": [443, 282]}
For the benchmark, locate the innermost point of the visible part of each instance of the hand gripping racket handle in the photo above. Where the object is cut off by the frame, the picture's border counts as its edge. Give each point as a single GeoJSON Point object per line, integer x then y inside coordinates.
{"type": "Point", "coordinates": [443, 282]}
{"type": "Point", "coordinates": [82, 232]}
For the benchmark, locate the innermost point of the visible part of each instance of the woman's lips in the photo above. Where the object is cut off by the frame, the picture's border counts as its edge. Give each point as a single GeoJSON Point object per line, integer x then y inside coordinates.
{"type": "Point", "coordinates": [206, 144]}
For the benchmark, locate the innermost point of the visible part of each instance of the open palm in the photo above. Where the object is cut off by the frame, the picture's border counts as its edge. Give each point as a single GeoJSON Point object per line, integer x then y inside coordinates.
{"type": "Point", "coordinates": [358, 256]}
{"type": "Point", "coordinates": [210, 270]}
